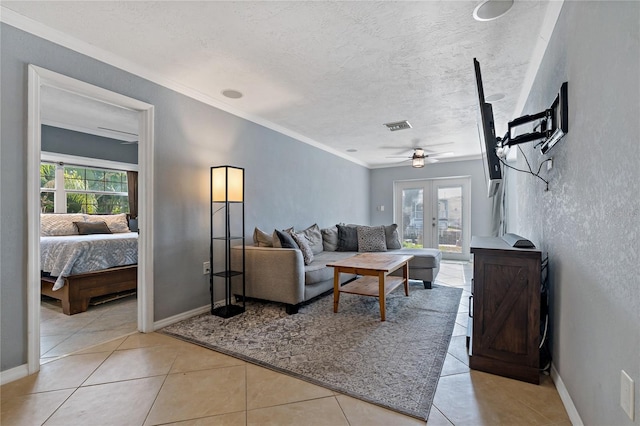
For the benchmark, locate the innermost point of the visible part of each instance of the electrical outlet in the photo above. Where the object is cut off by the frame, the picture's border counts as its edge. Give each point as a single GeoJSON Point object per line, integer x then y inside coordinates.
{"type": "Point", "coordinates": [206, 268]}
{"type": "Point", "coordinates": [626, 394]}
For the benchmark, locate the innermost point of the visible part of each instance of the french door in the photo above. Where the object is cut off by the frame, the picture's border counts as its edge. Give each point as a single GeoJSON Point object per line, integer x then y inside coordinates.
{"type": "Point", "coordinates": [435, 213]}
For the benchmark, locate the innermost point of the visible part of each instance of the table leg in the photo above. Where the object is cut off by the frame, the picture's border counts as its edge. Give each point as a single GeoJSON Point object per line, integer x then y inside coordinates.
{"type": "Point", "coordinates": [382, 296]}
{"type": "Point", "coordinates": [405, 275]}
{"type": "Point", "coordinates": [336, 288]}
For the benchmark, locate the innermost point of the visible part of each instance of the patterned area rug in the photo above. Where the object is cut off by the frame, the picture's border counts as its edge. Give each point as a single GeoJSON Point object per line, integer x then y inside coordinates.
{"type": "Point", "coordinates": [395, 364]}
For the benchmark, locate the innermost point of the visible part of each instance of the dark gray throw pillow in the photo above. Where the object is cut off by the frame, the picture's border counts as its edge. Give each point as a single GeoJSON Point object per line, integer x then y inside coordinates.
{"type": "Point", "coordinates": [90, 228]}
{"type": "Point", "coordinates": [347, 238]}
{"type": "Point", "coordinates": [392, 237]}
{"type": "Point", "coordinates": [286, 240]}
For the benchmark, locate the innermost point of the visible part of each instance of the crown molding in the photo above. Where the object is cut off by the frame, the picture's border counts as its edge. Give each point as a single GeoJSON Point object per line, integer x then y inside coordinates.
{"type": "Point", "coordinates": [45, 32]}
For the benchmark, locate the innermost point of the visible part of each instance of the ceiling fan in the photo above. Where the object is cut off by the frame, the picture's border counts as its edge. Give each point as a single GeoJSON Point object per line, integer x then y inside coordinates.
{"type": "Point", "coordinates": [420, 157]}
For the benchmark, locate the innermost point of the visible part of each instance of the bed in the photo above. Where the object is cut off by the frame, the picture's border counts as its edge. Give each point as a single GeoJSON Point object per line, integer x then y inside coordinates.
{"type": "Point", "coordinates": [76, 268]}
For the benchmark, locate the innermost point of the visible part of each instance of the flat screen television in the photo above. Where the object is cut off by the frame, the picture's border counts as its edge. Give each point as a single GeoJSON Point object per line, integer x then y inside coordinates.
{"type": "Point", "coordinates": [488, 139]}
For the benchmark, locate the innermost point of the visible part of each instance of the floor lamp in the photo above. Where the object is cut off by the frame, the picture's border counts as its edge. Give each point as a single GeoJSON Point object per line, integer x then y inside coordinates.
{"type": "Point", "coordinates": [227, 192]}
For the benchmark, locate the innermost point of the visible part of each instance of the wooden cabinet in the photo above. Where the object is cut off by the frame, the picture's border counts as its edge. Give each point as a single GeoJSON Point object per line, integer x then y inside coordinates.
{"type": "Point", "coordinates": [505, 310]}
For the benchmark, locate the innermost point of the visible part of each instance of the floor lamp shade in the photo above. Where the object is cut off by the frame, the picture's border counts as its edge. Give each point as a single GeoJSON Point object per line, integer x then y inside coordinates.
{"type": "Point", "coordinates": [227, 184]}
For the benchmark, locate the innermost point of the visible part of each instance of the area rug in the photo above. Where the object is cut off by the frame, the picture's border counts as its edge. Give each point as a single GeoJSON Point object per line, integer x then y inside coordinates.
{"type": "Point", "coordinates": [395, 364]}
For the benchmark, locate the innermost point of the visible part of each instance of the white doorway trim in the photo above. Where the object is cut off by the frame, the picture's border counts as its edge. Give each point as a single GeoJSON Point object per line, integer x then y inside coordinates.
{"type": "Point", "coordinates": [39, 77]}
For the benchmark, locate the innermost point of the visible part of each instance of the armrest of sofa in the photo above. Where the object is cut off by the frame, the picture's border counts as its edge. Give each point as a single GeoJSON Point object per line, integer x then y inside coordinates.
{"type": "Point", "coordinates": [275, 274]}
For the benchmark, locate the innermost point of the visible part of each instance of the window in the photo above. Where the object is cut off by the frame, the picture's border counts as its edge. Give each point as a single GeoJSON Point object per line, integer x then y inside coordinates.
{"type": "Point", "coordinates": [79, 189]}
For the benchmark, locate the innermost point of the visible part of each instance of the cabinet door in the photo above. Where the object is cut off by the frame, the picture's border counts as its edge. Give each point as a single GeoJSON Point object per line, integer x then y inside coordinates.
{"type": "Point", "coordinates": [507, 309]}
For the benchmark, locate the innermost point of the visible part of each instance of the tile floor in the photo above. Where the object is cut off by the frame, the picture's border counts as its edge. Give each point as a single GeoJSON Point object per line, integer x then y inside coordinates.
{"type": "Point", "coordinates": [152, 379]}
{"type": "Point", "coordinates": [62, 334]}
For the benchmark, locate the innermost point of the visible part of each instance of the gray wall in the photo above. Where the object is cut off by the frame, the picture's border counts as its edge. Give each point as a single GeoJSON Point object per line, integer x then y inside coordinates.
{"type": "Point", "coordinates": [588, 221]}
{"type": "Point", "coordinates": [382, 190]}
{"type": "Point", "coordinates": [287, 182]}
{"type": "Point", "coordinates": [63, 141]}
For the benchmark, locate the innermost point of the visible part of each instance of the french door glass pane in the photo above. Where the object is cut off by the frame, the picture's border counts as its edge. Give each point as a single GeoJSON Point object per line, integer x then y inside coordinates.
{"type": "Point", "coordinates": [412, 217]}
{"type": "Point", "coordinates": [450, 219]}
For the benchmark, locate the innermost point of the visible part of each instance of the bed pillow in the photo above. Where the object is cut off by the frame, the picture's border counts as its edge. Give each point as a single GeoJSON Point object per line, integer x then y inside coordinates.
{"type": "Point", "coordinates": [262, 239]}
{"type": "Point", "coordinates": [57, 224]}
{"type": "Point", "coordinates": [90, 228]}
{"type": "Point", "coordinates": [371, 238]}
{"type": "Point", "coordinates": [392, 238]}
{"type": "Point", "coordinates": [347, 238]}
{"type": "Point", "coordinates": [286, 240]}
{"type": "Point", "coordinates": [330, 238]}
{"type": "Point", "coordinates": [303, 242]}
{"type": "Point", "coordinates": [117, 223]}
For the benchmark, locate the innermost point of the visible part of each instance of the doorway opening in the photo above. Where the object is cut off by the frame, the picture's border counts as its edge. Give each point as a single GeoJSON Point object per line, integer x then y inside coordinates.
{"type": "Point", "coordinates": [41, 80]}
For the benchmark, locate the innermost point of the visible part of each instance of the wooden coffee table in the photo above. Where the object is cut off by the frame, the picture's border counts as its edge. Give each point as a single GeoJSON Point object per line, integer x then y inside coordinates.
{"type": "Point", "coordinates": [375, 280]}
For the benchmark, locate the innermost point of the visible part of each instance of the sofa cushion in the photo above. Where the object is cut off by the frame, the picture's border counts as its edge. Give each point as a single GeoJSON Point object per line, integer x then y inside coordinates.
{"type": "Point", "coordinates": [330, 238]}
{"type": "Point", "coordinates": [262, 239]}
{"type": "Point", "coordinates": [301, 239]}
{"type": "Point", "coordinates": [424, 258]}
{"type": "Point", "coordinates": [56, 224]}
{"type": "Point", "coordinates": [318, 270]}
{"type": "Point", "coordinates": [347, 238]}
{"type": "Point", "coordinates": [314, 237]}
{"type": "Point", "coordinates": [90, 228]}
{"type": "Point", "coordinates": [371, 238]}
{"type": "Point", "coordinates": [392, 237]}
{"type": "Point", "coordinates": [286, 240]}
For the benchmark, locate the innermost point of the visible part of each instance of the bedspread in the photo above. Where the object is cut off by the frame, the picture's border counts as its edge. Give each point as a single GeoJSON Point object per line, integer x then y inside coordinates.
{"type": "Point", "coordinates": [75, 254]}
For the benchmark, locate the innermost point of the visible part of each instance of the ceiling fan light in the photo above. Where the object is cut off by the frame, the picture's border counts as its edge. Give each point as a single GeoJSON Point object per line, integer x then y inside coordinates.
{"type": "Point", "coordinates": [417, 162]}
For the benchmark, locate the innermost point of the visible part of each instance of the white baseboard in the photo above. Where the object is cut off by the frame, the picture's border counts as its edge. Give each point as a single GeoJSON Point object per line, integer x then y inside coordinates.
{"type": "Point", "coordinates": [183, 316]}
{"type": "Point", "coordinates": [13, 374]}
{"type": "Point", "coordinates": [572, 411]}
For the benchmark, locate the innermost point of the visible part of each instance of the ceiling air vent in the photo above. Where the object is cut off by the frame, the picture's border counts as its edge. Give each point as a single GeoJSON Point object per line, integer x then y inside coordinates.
{"type": "Point", "coordinates": [398, 125]}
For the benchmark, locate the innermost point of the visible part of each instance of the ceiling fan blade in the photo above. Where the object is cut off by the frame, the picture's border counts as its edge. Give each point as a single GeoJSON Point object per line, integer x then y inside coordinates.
{"type": "Point", "coordinates": [441, 154]}
{"type": "Point", "coordinates": [430, 160]}
{"type": "Point", "coordinates": [398, 156]}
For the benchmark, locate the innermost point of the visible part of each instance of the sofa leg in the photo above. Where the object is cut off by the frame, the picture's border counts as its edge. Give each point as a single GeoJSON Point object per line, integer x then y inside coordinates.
{"type": "Point", "coordinates": [427, 284]}
{"type": "Point", "coordinates": [291, 309]}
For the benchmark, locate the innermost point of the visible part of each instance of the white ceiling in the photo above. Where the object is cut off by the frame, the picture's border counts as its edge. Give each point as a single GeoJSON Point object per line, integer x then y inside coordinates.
{"type": "Point", "coordinates": [331, 72]}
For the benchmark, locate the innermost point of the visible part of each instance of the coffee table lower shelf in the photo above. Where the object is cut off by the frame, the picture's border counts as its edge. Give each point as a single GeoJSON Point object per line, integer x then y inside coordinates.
{"type": "Point", "coordinates": [370, 286]}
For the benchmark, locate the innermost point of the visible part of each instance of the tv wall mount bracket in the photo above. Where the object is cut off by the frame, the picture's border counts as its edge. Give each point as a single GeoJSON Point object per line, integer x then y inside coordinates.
{"type": "Point", "coordinates": [553, 124]}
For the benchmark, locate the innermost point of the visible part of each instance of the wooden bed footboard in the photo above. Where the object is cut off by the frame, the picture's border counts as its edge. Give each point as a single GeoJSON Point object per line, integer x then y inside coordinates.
{"type": "Point", "coordinates": [79, 289]}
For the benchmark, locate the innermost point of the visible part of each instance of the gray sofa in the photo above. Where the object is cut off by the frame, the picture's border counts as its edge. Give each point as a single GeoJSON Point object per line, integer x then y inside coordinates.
{"type": "Point", "coordinates": [281, 275]}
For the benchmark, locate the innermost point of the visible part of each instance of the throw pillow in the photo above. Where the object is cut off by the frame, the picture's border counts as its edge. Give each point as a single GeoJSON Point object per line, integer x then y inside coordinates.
{"type": "Point", "coordinates": [56, 224]}
{"type": "Point", "coordinates": [347, 238]}
{"type": "Point", "coordinates": [314, 237]}
{"type": "Point", "coordinates": [301, 239]}
{"type": "Point", "coordinates": [262, 239]}
{"type": "Point", "coordinates": [276, 240]}
{"type": "Point", "coordinates": [330, 238]}
{"type": "Point", "coordinates": [90, 228]}
{"type": "Point", "coordinates": [392, 237]}
{"type": "Point", "coordinates": [286, 240]}
{"type": "Point", "coordinates": [117, 223]}
{"type": "Point", "coordinates": [371, 238]}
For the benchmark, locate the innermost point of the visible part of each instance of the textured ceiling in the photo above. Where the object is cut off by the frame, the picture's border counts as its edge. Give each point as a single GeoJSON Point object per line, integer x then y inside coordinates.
{"type": "Point", "coordinates": [333, 72]}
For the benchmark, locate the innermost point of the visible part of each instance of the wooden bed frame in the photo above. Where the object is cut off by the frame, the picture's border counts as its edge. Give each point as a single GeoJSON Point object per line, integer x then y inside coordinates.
{"type": "Point", "coordinates": [79, 289]}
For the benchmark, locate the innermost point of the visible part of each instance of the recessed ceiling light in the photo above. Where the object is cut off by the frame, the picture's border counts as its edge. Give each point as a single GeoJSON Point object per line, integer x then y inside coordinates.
{"type": "Point", "coordinates": [495, 97]}
{"type": "Point", "coordinates": [352, 150]}
{"type": "Point", "coordinates": [489, 10]}
{"type": "Point", "coordinates": [233, 94]}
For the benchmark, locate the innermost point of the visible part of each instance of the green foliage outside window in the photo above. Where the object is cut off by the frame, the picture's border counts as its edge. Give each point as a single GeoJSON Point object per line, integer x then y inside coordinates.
{"type": "Point", "coordinates": [88, 190]}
